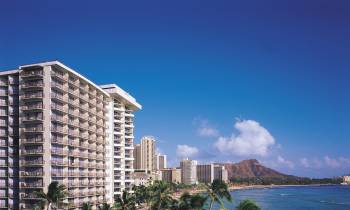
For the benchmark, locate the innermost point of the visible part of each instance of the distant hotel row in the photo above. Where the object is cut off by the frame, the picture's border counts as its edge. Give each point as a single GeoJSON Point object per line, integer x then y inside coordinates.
{"type": "Point", "coordinates": [150, 166]}
{"type": "Point", "coordinates": [56, 125]}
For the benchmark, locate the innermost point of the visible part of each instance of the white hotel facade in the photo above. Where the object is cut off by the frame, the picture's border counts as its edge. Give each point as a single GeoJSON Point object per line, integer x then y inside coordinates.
{"type": "Point", "coordinates": [57, 125]}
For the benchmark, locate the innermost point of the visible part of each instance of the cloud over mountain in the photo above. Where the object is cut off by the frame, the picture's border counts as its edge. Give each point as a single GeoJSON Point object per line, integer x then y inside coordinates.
{"type": "Point", "coordinates": [251, 139]}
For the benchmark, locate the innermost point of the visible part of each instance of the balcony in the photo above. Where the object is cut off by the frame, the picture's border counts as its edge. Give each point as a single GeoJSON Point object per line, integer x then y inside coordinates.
{"type": "Point", "coordinates": [59, 173]}
{"type": "Point", "coordinates": [59, 152]}
{"type": "Point", "coordinates": [31, 185]}
{"type": "Point", "coordinates": [74, 153]}
{"type": "Point", "coordinates": [38, 140]}
{"type": "Point", "coordinates": [32, 173]}
{"type": "Point", "coordinates": [73, 184]}
{"type": "Point", "coordinates": [73, 173]}
{"type": "Point", "coordinates": [92, 165]}
{"type": "Point", "coordinates": [32, 74]}
{"type": "Point", "coordinates": [32, 107]}
{"type": "Point", "coordinates": [57, 97]}
{"type": "Point", "coordinates": [28, 196]}
{"type": "Point", "coordinates": [32, 85]}
{"type": "Point", "coordinates": [59, 108]}
{"type": "Point", "coordinates": [59, 162]}
{"type": "Point", "coordinates": [73, 143]}
{"type": "Point", "coordinates": [31, 118]}
{"type": "Point", "coordinates": [58, 86]}
{"type": "Point", "coordinates": [33, 96]}
{"type": "Point", "coordinates": [59, 130]}
{"type": "Point", "coordinates": [58, 75]}
{"type": "Point", "coordinates": [84, 155]}
{"type": "Point", "coordinates": [57, 140]}
{"type": "Point", "coordinates": [32, 162]}
{"type": "Point", "coordinates": [32, 151]}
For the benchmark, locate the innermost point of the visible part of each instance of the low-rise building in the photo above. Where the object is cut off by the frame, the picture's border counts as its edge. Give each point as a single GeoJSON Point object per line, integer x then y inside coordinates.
{"type": "Point", "coordinates": [171, 175]}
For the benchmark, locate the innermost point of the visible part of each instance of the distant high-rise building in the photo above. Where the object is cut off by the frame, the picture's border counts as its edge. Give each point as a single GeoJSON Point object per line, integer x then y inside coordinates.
{"type": "Point", "coordinates": [205, 173]}
{"type": "Point", "coordinates": [160, 162]}
{"type": "Point", "coordinates": [137, 156]}
{"type": "Point", "coordinates": [188, 171]}
{"type": "Point", "coordinates": [220, 173]}
{"type": "Point", "coordinates": [148, 144]}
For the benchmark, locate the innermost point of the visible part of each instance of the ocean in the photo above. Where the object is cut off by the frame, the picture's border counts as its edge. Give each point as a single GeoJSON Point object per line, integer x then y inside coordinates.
{"type": "Point", "coordinates": [334, 197]}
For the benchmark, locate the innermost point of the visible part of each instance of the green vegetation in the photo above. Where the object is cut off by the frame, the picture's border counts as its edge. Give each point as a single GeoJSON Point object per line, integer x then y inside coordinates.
{"type": "Point", "coordinates": [247, 205]}
{"type": "Point", "coordinates": [158, 196]}
{"type": "Point", "coordinates": [217, 192]}
{"type": "Point", "coordinates": [55, 196]}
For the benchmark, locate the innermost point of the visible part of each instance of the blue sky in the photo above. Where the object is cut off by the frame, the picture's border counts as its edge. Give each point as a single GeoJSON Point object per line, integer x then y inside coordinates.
{"type": "Point", "coordinates": [218, 80]}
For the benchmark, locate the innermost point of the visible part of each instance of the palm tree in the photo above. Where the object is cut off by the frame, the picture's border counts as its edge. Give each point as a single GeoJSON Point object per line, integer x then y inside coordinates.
{"type": "Point", "coordinates": [141, 194]}
{"type": "Point", "coordinates": [217, 191]}
{"type": "Point", "coordinates": [161, 195]}
{"type": "Point", "coordinates": [185, 201]}
{"type": "Point", "coordinates": [198, 201]}
{"type": "Point", "coordinates": [125, 202]}
{"type": "Point", "coordinates": [247, 205]}
{"type": "Point", "coordinates": [55, 196]}
{"type": "Point", "coordinates": [87, 206]}
{"type": "Point", "coordinates": [105, 206]}
{"type": "Point", "coordinates": [191, 202]}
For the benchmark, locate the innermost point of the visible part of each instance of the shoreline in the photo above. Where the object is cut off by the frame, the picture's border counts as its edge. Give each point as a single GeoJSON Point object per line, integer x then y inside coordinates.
{"type": "Point", "coordinates": [252, 187]}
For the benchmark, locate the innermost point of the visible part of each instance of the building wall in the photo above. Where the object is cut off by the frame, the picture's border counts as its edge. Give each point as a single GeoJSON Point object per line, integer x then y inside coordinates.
{"type": "Point", "coordinates": [220, 173]}
{"type": "Point", "coordinates": [63, 134]}
{"type": "Point", "coordinates": [56, 125]}
{"type": "Point", "coordinates": [188, 171]}
{"type": "Point", "coordinates": [148, 153]}
{"type": "Point", "coordinates": [9, 138]}
{"type": "Point", "coordinates": [205, 173]}
{"type": "Point", "coordinates": [123, 135]}
{"type": "Point", "coordinates": [137, 156]}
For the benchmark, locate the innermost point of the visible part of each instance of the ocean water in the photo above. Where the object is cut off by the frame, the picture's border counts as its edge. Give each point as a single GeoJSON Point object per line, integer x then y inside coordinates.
{"type": "Point", "coordinates": [335, 197]}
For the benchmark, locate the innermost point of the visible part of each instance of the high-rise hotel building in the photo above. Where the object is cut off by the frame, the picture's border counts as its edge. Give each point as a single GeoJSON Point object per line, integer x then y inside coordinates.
{"type": "Point", "coordinates": [55, 125]}
{"type": "Point", "coordinates": [122, 107]}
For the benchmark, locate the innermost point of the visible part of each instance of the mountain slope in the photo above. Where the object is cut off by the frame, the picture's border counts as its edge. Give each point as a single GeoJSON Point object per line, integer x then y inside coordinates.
{"type": "Point", "coordinates": [251, 169]}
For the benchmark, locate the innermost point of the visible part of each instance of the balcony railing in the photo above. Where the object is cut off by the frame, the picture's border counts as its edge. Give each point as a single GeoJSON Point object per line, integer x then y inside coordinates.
{"type": "Point", "coordinates": [59, 130]}
{"type": "Point", "coordinates": [30, 107]}
{"type": "Point", "coordinates": [33, 96]}
{"type": "Point", "coordinates": [32, 173]}
{"type": "Point", "coordinates": [32, 84]}
{"type": "Point", "coordinates": [32, 73]}
{"type": "Point", "coordinates": [32, 151]}
{"type": "Point", "coordinates": [32, 162]}
{"type": "Point", "coordinates": [59, 152]}
{"type": "Point", "coordinates": [31, 185]}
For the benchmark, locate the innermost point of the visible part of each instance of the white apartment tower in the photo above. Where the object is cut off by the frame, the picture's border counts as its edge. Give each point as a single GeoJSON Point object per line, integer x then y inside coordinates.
{"type": "Point", "coordinates": [56, 125]}
{"type": "Point", "coordinates": [122, 129]}
{"type": "Point", "coordinates": [188, 171]}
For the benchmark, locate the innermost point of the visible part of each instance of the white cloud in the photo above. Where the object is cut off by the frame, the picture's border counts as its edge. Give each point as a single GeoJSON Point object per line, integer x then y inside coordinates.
{"type": "Point", "coordinates": [185, 151]}
{"type": "Point", "coordinates": [285, 162]}
{"type": "Point", "coordinates": [208, 132]}
{"type": "Point", "coordinates": [326, 161]}
{"type": "Point", "coordinates": [205, 129]}
{"type": "Point", "coordinates": [252, 139]}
